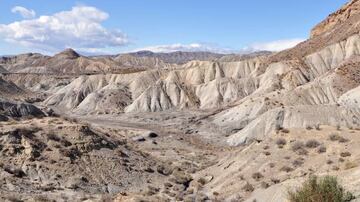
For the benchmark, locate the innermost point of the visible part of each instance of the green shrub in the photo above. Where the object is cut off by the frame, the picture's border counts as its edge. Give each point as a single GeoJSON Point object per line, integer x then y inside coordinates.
{"type": "Point", "coordinates": [326, 189]}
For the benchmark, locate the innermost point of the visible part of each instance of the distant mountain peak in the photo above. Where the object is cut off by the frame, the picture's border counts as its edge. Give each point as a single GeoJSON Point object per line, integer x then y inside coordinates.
{"type": "Point", "coordinates": [68, 53]}
{"type": "Point", "coordinates": [144, 52]}
{"type": "Point", "coordinates": [178, 57]}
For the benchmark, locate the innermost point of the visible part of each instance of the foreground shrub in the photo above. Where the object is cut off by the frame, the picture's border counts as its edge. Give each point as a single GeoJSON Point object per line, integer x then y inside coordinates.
{"type": "Point", "coordinates": [248, 187]}
{"type": "Point", "coordinates": [312, 144]}
{"type": "Point", "coordinates": [326, 189]}
{"type": "Point", "coordinates": [322, 149]}
{"type": "Point", "coordinates": [281, 142]}
{"type": "Point", "coordinates": [345, 154]}
{"type": "Point", "coordinates": [298, 148]}
{"type": "Point", "coordinates": [257, 176]}
{"type": "Point", "coordinates": [334, 137]}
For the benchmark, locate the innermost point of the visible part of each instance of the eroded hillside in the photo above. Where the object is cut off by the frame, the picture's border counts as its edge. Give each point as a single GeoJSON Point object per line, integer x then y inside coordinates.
{"type": "Point", "coordinates": [183, 126]}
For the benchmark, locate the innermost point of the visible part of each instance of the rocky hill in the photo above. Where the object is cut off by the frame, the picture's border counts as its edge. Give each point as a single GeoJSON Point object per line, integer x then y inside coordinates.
{"type": "Point", "coordinates": [70, 62]}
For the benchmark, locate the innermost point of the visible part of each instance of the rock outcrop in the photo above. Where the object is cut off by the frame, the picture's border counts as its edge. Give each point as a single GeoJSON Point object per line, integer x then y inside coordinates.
{"type": "Point", "coordinates": [18, 110]}
{"type": "Point", "coordinates": [343, 14]}
{"type": "Point", "coordinates": [9, 88]}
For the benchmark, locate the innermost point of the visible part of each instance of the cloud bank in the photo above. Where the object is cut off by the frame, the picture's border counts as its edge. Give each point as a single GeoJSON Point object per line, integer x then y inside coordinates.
{"type": "Point", "coordinates": [79, 28]}
{"type": "Point", "coordinates": [274, 46]}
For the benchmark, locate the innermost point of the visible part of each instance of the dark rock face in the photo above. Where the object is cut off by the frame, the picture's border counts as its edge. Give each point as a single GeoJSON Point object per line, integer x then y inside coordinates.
{"type": "Point", "coordinates": [3, 118]}
{"type": "Point", "coordinates": [8, 88]}
{"type": "Point", "coordinates": [18, 110]}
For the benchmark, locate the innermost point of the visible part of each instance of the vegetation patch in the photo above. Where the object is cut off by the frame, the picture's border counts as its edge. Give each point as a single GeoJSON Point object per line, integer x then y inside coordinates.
{"type": "Point", "coordinates": [325, 189]}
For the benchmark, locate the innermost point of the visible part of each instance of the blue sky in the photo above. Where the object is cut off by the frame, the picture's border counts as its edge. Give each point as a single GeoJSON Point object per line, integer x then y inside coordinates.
{"type": "Point", "coordinates": [113, 26]}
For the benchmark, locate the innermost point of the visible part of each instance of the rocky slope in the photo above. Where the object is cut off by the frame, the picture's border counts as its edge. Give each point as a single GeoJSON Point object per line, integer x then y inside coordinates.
{"type": "Point", "coordinates": [63, 160]}
{"type": "Point", "coordinates": [9, 108]}
{"type": "Point", "coordinates": [266, 170]}
{"type": "Point", "coordinates": [8, 88]}
{"type": "Point", "coordinates": [337, 18]}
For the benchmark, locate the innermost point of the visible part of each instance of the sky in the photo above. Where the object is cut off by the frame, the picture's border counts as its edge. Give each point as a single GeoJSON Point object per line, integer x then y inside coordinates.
{"type": "Point", "coordinates": [116, 26]}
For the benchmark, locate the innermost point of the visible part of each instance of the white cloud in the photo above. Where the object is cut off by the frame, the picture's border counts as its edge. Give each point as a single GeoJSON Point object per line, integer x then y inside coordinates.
{"type": "Point", "coordinates": [186, 47]}
{"type": "Point", "coordinates": [275, 46]}
{"type": "Point", "coordinates": [79, 28]}
{"type": "Point", "coordinates": [24, 12]}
